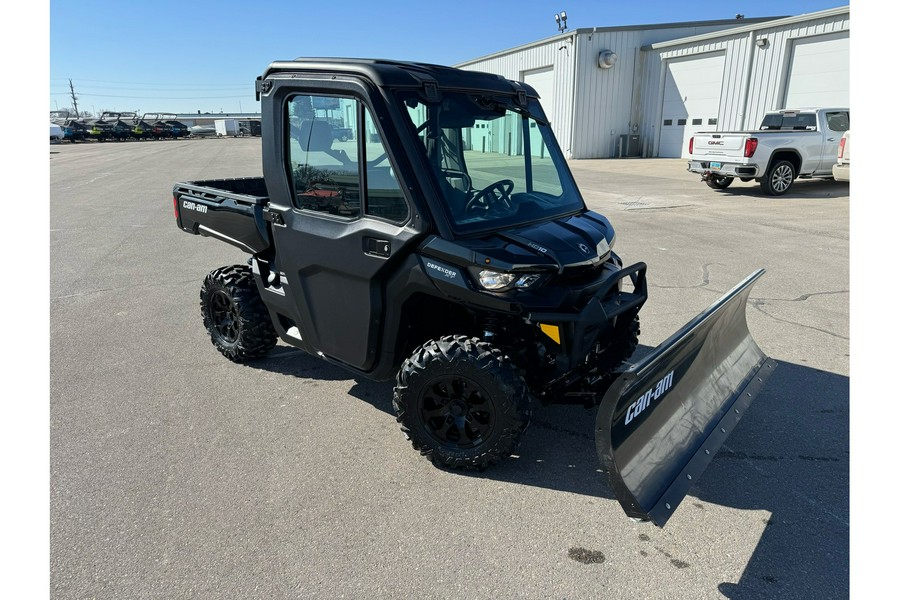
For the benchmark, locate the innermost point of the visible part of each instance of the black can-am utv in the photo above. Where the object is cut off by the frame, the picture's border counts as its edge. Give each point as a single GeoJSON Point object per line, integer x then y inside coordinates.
{"type": "Point", "coordinates": [446, 246]}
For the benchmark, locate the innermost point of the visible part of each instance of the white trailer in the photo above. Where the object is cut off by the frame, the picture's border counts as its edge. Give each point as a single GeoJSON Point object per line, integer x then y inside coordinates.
{"type": "Point", "coordinates": [226, 127]}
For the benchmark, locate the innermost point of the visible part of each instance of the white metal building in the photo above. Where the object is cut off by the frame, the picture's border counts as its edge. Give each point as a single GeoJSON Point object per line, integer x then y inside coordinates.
{"type": "Point", "coordinates": [643, 90]}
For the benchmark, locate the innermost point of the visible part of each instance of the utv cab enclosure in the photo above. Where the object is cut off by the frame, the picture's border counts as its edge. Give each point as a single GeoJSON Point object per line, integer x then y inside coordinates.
{"type": "Point", "coordinates": [445, 245]}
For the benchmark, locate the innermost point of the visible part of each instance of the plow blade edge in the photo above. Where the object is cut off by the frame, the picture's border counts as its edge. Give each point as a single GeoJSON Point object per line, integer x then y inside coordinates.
{"type": "Point", "coordinates": [664, 418]}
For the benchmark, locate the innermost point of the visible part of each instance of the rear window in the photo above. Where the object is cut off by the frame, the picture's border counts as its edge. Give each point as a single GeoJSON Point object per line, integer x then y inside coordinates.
{"type": "Point", "coordinates": [789, 122]}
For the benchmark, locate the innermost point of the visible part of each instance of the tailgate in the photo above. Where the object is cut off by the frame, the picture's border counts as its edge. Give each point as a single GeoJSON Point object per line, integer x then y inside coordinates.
{"type": "Point", "coordinates": [231, 210]}
{"type": "Point", "coordinates": [719, 145]}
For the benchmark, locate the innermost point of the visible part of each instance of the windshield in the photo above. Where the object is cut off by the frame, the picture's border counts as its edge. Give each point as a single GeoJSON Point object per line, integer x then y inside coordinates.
{"type": "Point", "coordinates": [496, 164]}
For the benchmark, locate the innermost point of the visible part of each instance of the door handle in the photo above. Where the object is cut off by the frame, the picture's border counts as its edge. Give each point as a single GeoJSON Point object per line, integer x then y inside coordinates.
{"type": "Point", "coordinates": [376, 247]}
{"type": "Point", "coordinates": [831, 139]}
{"type": "Point", "coordinates": [273, 217]}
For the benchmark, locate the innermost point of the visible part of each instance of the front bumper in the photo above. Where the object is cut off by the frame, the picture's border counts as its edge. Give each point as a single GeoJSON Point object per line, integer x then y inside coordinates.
{"type": "Point", "coordinates": [609, 305]}
{"type": "Point", "coordinates": [724, 169]}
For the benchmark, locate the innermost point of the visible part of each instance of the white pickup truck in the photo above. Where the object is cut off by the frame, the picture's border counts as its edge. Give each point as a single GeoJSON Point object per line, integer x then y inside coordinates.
{"type": "Point", "coordinates": [789, 144]}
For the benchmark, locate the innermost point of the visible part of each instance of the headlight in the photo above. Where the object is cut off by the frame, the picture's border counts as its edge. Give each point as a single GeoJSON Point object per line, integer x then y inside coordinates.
{"type": "Point", "coordinates": [496, 281]}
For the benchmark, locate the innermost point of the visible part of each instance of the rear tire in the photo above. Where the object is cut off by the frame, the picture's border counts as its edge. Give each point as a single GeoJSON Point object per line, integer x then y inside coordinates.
{"type": "Point", "coordinates": [235, 316]}
{"type": "Point", "coordinates": [779, 178]}
{"type": "Point", "coordinates": [461, 403]}
{"type": "Point", "coordinates": [718, 182]}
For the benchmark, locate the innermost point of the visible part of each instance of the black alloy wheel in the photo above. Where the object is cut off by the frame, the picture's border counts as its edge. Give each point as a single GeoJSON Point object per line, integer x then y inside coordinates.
{"type": "Point", "coordinates": [234, 315]}
{"type": "Point", "coordinates": [462, 403]}
{"type": "Point", "coordinates": [457, 411]}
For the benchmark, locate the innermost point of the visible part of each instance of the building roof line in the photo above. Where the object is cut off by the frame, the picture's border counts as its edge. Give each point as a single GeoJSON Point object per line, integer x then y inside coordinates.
{"type": "Point", "coordinates": [780, 22]}
{"type": "Point", "coordinates": [590, 30]}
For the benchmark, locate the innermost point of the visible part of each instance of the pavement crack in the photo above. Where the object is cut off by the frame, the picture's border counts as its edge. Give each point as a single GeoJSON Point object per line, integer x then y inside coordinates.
{"type": "Point", "coordinates": [704, 280]}
{"type": "Point", "coordinates": [801, 298]}
{"type": "Point", "coordinates": [119, 289]}
{"type": "Point", "coordinates": [757, 306]}
{"type": "Point", "coordinates": [822, 508]}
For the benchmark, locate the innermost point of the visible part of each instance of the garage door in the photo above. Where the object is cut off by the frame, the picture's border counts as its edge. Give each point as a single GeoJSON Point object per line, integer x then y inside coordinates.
{"type": "Point", "coordinates": [819, 72]}
{"type": "Point", "coordinates": [690, 101]}
{"type": "Point", "coordinates": [542, 82]}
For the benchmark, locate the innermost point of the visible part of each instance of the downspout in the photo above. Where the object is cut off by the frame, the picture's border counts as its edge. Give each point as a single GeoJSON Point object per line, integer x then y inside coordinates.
{"type": "Point", "coordinates": [748, 67]}
{"type": "Point", "coordinates": [574, 93]}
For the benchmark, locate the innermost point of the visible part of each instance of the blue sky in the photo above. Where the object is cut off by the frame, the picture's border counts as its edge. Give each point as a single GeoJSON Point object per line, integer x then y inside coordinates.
{"type": "Point", "coordinates": [166, 56]}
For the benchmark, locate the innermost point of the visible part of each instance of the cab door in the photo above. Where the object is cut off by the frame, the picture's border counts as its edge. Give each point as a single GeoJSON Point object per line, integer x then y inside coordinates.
{"type": "Point", "coordinates": [835, 124]}
{"type": "Point", "coordinates": [341, 222]}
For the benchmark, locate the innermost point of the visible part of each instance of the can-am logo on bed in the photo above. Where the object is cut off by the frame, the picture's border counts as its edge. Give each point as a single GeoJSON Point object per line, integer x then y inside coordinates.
{"type": "Point", "coordinates": [654, 393]}
{"type": "Point", "coordinates": [200, 208]}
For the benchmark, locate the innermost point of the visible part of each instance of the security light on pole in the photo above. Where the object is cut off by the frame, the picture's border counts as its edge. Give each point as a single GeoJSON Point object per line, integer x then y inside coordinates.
{"type": "Point", "coordinates": [561, 21]}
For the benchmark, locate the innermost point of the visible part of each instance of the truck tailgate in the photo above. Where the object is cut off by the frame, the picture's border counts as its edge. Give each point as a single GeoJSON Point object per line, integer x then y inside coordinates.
{"type": "Point", "coordinates": [709, 145]}
{"type": "Point", "coordinates": [231, 210]}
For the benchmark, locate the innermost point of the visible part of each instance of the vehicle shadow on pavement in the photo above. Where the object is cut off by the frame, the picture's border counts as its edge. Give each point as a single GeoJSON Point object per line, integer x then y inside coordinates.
{"type": "Point", "coordinates": [297, 363]}
{"type": "Point", "coordinates": [820, 188]}
{"type": "Point", "coordinates": [789, 458]}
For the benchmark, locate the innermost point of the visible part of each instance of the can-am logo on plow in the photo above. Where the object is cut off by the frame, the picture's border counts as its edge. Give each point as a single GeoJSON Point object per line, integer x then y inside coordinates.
{"type": "Point", "coordinates": [654, 393]}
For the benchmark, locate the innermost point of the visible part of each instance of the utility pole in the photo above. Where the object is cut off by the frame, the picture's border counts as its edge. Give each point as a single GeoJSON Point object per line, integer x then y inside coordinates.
{"type": "Point", "coordinates": [74, 98]}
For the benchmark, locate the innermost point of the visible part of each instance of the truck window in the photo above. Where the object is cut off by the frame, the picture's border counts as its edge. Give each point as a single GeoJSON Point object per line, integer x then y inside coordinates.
{"type": "Point", "coordinates": [327, 153]}
{"type": "Point", "coordinates": [838, 120]}
{"type": "Point", "coordinates": [789, 121]}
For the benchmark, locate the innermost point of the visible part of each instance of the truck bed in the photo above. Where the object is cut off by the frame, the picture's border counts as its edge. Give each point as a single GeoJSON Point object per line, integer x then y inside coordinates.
{"type": "Point", "coordinates": [231, 210]}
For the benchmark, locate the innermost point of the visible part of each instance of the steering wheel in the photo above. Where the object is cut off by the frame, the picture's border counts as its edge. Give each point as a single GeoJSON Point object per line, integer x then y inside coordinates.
{"type": "Point", "coordinates": [493, 196]}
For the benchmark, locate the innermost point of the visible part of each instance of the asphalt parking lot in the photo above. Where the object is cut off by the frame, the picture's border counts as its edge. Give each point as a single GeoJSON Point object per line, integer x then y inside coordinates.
{"type": "Point", "coordinates": [177, 474]}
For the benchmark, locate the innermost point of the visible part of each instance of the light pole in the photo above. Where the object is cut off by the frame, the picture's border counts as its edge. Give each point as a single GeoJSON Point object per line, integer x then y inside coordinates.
{"type": "Point", "coordinates": [561, 21]}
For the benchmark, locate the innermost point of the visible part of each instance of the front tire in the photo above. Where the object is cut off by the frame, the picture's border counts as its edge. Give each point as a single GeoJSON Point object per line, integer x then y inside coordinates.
{"type": "Point", "coordinates": [234, 315]}
{"type": "Point", "coordinates": [779, 178]}
{"type": "Point", "coordinates": [718, 182]}
{"type": "Point", "coordinates": [461, 403]}
{"type": "Point", "coordinates": [620, 349]}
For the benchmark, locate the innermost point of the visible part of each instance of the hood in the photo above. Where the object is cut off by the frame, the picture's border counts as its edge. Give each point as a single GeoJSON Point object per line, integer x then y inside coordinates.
{"type": "Point", "coordinates": [569, 242]}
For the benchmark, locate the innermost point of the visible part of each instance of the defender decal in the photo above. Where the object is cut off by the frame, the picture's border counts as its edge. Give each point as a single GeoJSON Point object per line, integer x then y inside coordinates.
{"type": "Point", "coordinates": [537, 247]}
{"type": "Point", "coordinates": [442, 270]}
{"type": "Point", "coordinates": [654, 393]}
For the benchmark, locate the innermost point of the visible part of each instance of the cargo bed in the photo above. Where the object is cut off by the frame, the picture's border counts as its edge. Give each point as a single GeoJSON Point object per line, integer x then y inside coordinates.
{"type": "Point", "coordinates": [231, 210]}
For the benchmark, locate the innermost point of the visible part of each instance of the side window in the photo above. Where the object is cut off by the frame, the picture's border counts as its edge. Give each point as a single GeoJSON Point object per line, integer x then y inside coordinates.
{"type": "Point", "coordinates": [838, 121]}
{"type": "Point", "coordinates": [328, 155]}
{"type": "Point", "coordinates": [323, 154]}
{"type": "Point", "coordinates": [384, 198]}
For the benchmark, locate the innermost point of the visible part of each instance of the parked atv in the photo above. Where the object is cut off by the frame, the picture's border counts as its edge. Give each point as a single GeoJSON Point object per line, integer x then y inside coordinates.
{"type": "Point", "coordinates": [445, 251]}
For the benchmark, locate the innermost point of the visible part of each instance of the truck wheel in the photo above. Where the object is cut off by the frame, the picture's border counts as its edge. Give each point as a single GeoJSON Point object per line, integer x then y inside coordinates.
{"type": "Point", "coordinates": [779, 178]}
{"type": "Point", "coordinates": [234, 314]}
{"type": "Point", "coordinates": [461, 403]}
{"type": "Point", "coordinates": [718, 182]}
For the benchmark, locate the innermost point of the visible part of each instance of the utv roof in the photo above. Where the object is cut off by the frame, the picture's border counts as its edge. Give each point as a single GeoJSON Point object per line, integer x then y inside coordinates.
{"type": "Point", "coordinates": [402, 74]}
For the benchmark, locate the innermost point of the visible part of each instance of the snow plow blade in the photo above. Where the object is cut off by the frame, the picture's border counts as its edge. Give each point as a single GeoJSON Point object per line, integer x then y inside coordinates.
{"type": "Point", "coordinates": [663, 419]}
